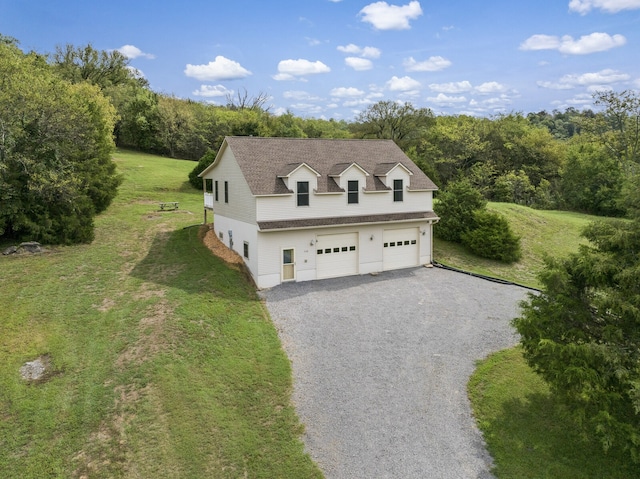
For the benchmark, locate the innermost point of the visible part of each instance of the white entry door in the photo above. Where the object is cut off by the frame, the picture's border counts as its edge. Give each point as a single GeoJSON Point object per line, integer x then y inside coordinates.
{"type": "Point", "coordinates": [288, 264]}
{"type": "Point", "coordinates": [336, 255]}
{"type": "Point", "coordinates": [400, 248]}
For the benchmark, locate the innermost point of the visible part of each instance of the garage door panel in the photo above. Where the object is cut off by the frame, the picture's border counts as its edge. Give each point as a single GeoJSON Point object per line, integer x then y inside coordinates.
{"type": "Point", "coordinates": [337, 255]}
{"type": "Point", "coordinates": [400, 248]}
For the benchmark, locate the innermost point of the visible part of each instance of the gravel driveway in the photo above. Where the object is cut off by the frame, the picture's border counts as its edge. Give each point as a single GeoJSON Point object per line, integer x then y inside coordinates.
{"type": "Point", "coordinates": [381, 364]}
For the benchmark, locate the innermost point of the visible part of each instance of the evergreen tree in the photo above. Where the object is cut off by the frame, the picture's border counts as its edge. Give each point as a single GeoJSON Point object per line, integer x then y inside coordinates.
{"type": "Point", "coordinates": [582, 333]}
{"type": "Point", "coordinates": [56, 142]}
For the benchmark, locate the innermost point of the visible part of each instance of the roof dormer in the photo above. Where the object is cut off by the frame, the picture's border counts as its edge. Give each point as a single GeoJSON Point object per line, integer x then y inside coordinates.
{"type": "Point", "coordinates": [342, 173]}
{"type": "Point", "coordinates": [293, 172]}
{"type": "Point", "coordinates": [387, 172]}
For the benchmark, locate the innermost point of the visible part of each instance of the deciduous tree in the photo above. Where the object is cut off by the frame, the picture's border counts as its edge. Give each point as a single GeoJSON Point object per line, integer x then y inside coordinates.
{"type": "Point", "coordinates": [402, 123]}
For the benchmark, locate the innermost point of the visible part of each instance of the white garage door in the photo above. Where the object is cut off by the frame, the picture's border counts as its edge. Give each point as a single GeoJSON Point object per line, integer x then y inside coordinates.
{"type": "Point", "coordinates": [337, 255]}
{"type": "Point", "coordinates": [400, 248]}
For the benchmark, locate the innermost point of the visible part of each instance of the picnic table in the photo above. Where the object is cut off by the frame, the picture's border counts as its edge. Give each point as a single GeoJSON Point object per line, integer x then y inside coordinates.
{"type": "Point", "coordinates": [169, 205]}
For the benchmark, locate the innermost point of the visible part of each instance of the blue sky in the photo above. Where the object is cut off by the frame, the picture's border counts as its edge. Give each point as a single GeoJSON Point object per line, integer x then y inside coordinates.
{"type": "Point", "coordinates": [333, 58]}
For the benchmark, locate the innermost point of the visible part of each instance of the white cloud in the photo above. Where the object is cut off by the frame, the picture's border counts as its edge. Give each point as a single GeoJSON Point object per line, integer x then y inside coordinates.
{"type": "Point", "coordinates": [371, 52]}
{"type": "Point", "coordinates": [218, 70]}
{"type": "Point", "coordinates": [358, 64]}
{"type": "Point", "coordinates": [541, 42]}
{"type": "Point", "coordinates": [610, 6]}
{"type": "Point", "coordinates": [365, 52]}
{"type": "Point", "coordinates": [603, 77]}
{"type": "Point", "coordinates": [390, 17]}
{"type": "Point", "coordinates": [443, 99]}
{"type": "Point", "coordinates": [582, 101]}
{"type": "Point", "coordinates": [433, 64]}
{"type": "Point", "coordinates": [598, 78]}
{"type": "Point", "coordinates": [495, 104]}
{"type": "Point", "coordinates": [299, 95]}
{"type": "Point", "coordinates": [404, 84]}
{"type": "Point", "coordinates": [452, 87]}
{"type": "Point", "coordinates": [351, 48]}
{"type": "Point", "coordinates": [555, 86]}
{"type": "Point", "coordinates": [594, 42]}
{"type": "Point", "coordinates": [291, 69]}
{"type": "Point", "coordinates": [132, 52]}
{"type": "Point", "coordinates": [212, 91]}
{"type": "Point", "coordinates": [490, 87]}
{"type": "Point", "coordinates": [466, 86]}
{"type": "Point", "coordinates": [357, 102]}
{"type": "Point", "coordinates": [309, 108]}
{"type": "Point", "coordinates": [344, 92]}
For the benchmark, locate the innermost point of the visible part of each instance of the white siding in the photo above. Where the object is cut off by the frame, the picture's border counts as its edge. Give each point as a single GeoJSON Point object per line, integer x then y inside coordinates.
{"type": "Point", "coordinates": [270, 259]}
{"type": "Point", "coordinates": [240, 232]}
{"type": "Point", "coordinates": [242, 204]}
{"type": "Point", "coordinates": [271, 208]}
{"type": "Point", "coordinates": [369, 249]}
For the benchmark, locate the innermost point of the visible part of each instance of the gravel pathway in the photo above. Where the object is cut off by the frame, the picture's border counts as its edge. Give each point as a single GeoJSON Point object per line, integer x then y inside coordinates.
{"type": "Point", "coordinates": [381, 364]}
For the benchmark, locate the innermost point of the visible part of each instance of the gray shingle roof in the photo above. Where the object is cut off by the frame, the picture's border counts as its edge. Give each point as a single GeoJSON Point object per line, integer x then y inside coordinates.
{"type": "Point", "coordinates": [263, 159]}
{"type": "Point", "coordinates": [346, 220]}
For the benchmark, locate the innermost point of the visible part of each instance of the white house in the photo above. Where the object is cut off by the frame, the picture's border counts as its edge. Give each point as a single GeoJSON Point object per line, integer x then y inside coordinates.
{"type": "Point", "coordinates": [303, 209]}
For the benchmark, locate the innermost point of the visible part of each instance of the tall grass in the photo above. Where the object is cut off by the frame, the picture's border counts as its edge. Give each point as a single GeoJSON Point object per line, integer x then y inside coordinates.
{"type": "Point", "coordinates": [163, 360]}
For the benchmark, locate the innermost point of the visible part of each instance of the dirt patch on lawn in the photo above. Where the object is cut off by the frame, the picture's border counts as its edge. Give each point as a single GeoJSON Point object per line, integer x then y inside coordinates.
{"type": "Point", "coordinates": [211, 241]}
{"type": "Point", "coordinates": [154, 335]}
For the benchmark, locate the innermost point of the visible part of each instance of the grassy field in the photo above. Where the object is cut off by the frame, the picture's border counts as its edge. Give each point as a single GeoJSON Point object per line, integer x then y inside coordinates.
{"type": "Point", "coordinates": [526, 434]}
{"type": "Point", "coordinates": [555, 233]}
{"type": "Point", "coordinates": [164, 362]}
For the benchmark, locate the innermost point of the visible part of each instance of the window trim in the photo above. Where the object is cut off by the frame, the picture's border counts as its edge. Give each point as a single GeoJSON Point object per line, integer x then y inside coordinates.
{"type": "Point", "coordinates": [302, 198]}
{"type": "Point", "coordinates": [245, 249]}
{"type": "Point", "coordinates": [353, 194]}
{"type": "Point", "coordinates": [398, 190]}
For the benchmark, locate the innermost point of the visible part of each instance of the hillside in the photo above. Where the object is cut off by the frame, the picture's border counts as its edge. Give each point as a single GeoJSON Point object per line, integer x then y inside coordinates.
{"type": "Point", "coordinates": [161, 359]}
{"type": "Point", "coordinates": [555, 233]}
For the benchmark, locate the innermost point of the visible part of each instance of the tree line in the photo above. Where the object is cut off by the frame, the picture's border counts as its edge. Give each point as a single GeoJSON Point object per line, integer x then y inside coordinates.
{"type": "Point", "coordinates": [575, 160]}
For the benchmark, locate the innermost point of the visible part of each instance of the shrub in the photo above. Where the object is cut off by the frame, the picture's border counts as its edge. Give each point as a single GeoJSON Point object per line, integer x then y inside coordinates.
{"type": "Point", "coordinates": [203, 163]}
{"type": "Point", "coordinates": [492, 237]}
{"type": "Point", "coordinates": [456, 207]}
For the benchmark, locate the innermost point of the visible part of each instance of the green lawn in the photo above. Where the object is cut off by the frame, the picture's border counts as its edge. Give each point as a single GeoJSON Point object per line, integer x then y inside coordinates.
{"type": "Point", "coordinates": [525, 431]}
{"type": "Point", "coordinates": [165, 363]}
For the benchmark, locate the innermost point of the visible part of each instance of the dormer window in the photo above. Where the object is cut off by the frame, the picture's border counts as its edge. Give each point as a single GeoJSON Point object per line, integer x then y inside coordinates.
{"type": "Point", "coordinates": [397, 190]}
{"type": "Point", "coordinates": [303, 193]}
{"type": "Point", "coordinates": [352, 192]}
